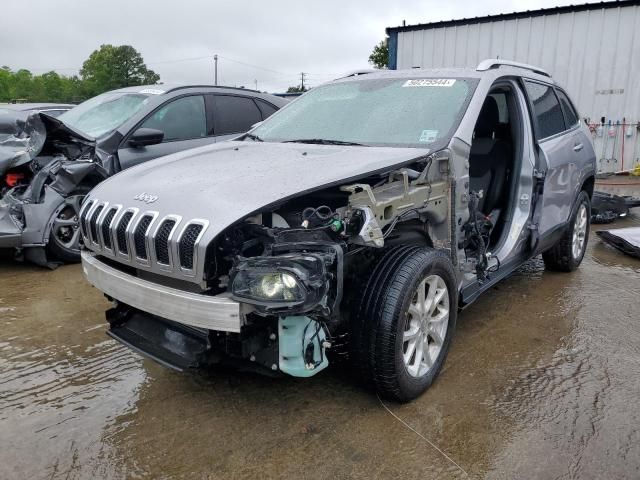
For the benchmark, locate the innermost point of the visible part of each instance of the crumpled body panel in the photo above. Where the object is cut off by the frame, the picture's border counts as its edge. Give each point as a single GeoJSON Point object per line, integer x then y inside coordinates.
{"type": "Point", "coordinates": [22, 136]}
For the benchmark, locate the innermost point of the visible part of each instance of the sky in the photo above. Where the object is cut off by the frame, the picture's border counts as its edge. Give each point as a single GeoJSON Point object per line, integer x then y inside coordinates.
{"type": "Point", "coordinates": [265, 44]}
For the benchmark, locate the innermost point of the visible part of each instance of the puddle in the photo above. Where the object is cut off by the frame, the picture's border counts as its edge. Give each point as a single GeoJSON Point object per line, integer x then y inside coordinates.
{"type": "Point", "coordinates": [542, 382]}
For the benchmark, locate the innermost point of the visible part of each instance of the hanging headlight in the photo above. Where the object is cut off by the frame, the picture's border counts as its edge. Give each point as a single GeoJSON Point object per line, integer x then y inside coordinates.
{"type": "Point", "coordinates": [281, 282]}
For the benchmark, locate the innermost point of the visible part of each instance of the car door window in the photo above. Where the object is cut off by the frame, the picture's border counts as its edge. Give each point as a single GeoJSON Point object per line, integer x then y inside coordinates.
{"type": "Point", "coordinates": [181, 119]}
{"type": "Point", "coordinates": [570, 115]}
{"type": "Point", "coordinates": [266, 108]}
{"type": "Point", "coordinates": [546, 109]}
{"type": "Point", "coordinates": [235, 114]}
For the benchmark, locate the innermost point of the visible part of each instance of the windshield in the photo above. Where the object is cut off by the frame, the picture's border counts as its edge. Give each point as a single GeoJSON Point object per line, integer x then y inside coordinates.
{"type": "Point", "coordinates": [104, 113]}
{"type": "Point", "coordinates": [382, 112]}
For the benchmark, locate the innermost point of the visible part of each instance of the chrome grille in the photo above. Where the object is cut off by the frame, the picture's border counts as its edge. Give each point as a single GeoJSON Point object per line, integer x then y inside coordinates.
{"type": "Point", "coordinates": [93, 225]}
{"type": "Point", "coordinates": [121, 233]}
{"type": "Point", "coordinates": [106, 228]}
{"type": "Point", "coordinates": [83, 217]}
{"type": "Point", "coordinates": [162, 241]}
{"type": "Point", "coordinates": [140, 236]}
{"type": "Point", "coordinates": [187, 244]}
{"type": "Point", "coordinates": [143, 239]}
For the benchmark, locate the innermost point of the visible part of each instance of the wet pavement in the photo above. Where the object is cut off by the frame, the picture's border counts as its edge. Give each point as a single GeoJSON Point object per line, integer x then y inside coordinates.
{"type": "Point", "coordinates": [542, 381]}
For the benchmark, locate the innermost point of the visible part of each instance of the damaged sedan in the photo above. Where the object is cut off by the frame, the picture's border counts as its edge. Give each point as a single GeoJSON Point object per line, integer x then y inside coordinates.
{"type": "Point", "coordinates": [355, 223]}
{"type": "Point", "coordinates": [48, 165]}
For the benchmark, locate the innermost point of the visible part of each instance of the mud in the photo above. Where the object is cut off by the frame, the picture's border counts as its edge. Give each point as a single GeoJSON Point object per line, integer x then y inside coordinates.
{"type": "Point", "coordinates": [542, 381]}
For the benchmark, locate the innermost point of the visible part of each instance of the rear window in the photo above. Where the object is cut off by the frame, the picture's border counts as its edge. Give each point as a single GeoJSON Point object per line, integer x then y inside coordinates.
{"type": "Point", "coordinates": [266, 108]}
{"type": "Point", "coordinates": [234, 114]}
{"type": "Point", "coordinates": [546, 110]}
{"type": "Point", "coordinates": [570, 114]}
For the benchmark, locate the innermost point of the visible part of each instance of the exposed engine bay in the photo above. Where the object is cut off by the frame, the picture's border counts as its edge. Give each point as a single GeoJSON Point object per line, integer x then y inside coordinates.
{"type": "Point", "coordinates": [294, 269]}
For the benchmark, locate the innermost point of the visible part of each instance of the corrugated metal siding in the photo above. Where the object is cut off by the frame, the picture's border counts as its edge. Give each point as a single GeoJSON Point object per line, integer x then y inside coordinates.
{"type": "Point", "coordinates": [594, 54]}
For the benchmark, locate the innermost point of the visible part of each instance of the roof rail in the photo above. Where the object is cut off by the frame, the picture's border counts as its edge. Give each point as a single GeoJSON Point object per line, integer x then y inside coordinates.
{"type": "Point", "coordinates": [357, 73]}
{"type": "Point", "coordinates": [180, 87]}
{"type": "Point", "coordinates": [490, 63]}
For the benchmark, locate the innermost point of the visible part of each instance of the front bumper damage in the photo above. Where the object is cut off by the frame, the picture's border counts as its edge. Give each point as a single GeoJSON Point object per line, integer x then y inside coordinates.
{"type": "Point", "coordinates": [10, 225]}
{"type": "Point", "coordinates": [184, 330]}
{"type": "Point", "coordinates": [55, 160]}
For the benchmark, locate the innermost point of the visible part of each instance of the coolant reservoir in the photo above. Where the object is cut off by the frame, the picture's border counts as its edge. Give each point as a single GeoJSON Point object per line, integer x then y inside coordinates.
{"type": "Point", "coordinates": [300, 337]}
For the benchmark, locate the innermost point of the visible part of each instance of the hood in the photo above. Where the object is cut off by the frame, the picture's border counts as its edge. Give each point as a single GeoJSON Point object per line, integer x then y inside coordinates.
{"type": "Point", "coordinates": [226, 182]}
{"type": "Point", "coordinates": [25, 135]}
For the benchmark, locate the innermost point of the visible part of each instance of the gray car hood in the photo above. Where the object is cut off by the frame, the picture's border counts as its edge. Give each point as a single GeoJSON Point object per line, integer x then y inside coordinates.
{"type": "Point", "coordinates": [226, 182]}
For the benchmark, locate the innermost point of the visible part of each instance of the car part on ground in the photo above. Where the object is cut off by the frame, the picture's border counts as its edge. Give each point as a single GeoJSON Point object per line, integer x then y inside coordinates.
{"type": "Point", "coordinates": [355, 222]}
{"type": "Point", "coordinates": [607, 207]}
{"type": "Point", "coordinates": [627, 240]}
{"type": "Point", "coordinates": [47, 164]}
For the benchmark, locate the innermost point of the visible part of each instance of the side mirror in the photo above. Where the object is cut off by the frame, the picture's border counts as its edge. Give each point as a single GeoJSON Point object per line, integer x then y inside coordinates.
{"type": "Point", "coordinates": [146, 136]}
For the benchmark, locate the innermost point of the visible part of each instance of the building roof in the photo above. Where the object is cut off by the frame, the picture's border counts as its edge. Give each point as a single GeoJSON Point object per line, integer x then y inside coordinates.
{"type": "Point", "coordinates": [512, 16]}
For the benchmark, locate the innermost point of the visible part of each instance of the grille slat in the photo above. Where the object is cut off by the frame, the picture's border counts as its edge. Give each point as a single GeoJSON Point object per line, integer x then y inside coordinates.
{"type": "Point", "coordinates": [83, 219]}
{"type": "Point", "coordinates": [93, 224]}
{"type": "Point", "coordinates": [162, 241]}
{"type": "Point", "coordinates": [106, 228]}
{"type": "Point", "coordinates": [121, 233]}
{"type": "Point", "coordinates": [166, 244]}
{"type": "Point", "coordinates": [187, 245]}
{"type": "Point", "coordinates": [140, 237]}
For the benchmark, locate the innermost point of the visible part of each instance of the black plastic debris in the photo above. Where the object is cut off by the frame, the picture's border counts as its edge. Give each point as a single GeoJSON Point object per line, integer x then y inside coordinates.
{"type": "Point", "coordinates": [626, 240]}
{"type": "Point", "coordinates": [605, 207]}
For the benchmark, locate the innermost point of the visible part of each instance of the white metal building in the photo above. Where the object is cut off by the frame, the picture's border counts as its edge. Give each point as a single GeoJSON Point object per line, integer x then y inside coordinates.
{"type": "Point", "coordinates": [593, 50]}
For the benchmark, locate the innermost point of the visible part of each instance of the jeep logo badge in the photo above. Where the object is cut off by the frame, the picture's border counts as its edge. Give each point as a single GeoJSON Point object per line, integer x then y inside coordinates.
{"type": "Point", "coordinates": [145, 197]}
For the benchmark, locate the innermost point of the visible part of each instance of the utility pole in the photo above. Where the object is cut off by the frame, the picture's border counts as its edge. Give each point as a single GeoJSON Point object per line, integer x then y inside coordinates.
{"type": "Point", "coordinates": [256, 82]}
{"type": "Point", "coordinates": [215, 69]}
{"type": "Point", "coordinates": [302, 75]}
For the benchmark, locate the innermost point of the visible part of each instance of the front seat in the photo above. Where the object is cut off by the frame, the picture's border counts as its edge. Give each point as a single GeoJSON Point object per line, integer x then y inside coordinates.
{"type": "Point", "coordinates": [489, 160]}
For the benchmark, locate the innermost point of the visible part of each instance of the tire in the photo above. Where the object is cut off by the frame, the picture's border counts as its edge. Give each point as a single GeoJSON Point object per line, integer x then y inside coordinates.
{"type": "Point", "coordinates": [65, 225]}
{"type": "Point", "coordinates": [567, 254]}
{"type": "Point", "coordinates": [389, 323]}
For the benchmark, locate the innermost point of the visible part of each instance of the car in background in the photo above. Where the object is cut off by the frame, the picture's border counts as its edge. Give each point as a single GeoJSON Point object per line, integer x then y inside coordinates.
{"type": "Point", "coordinates": [51, 109]}
{"type": "Point", "coordinates": [48, 165]}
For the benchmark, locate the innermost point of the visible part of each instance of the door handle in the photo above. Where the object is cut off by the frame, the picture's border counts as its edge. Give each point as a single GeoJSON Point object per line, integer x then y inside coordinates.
{"type": "Point", "coordinates": [577, 147]}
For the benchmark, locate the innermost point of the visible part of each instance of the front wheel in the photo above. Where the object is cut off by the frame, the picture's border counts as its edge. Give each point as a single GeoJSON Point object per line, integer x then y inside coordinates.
{"type": "Point", "coordinates": [406, 321]}
{"type": "Point", "coordinates": [567, 254]}
{"type": "Point", "coordinates": [64, 235]}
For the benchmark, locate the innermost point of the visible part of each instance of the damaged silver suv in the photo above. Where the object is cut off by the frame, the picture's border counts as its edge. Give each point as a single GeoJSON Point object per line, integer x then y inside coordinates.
{"type": "Point", "coordinates": [355, 222]}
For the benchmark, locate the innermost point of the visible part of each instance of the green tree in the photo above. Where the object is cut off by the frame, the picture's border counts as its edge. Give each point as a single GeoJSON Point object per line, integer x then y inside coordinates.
{"type": "Point", "coordinates": [297, 89]}
{"type": "Point", "coordinates": [22, 85]}
{"type": "Point", "coordinates": [379, 57]}
{"type": "Point", "coordinates": [5, 83]}
{"type": "Point", "coordinates": [112, 67]}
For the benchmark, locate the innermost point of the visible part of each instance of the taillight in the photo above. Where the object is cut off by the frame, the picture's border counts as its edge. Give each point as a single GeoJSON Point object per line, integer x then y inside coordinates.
{"type": "Point", "coordinates": [12, 179]}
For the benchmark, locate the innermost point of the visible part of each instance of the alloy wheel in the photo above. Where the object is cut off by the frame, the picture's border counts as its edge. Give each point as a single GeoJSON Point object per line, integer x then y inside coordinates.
{"type": "Point", "coordinates": [65, 230]}
{"type": "Point", "coordinates": [426, 325]}
{"type": "Point", "coordinates": [579, 232]}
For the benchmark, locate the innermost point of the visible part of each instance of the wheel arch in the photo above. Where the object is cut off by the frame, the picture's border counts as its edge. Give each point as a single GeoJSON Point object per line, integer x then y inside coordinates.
{"type": "Point", "coordinates": [588, 185]}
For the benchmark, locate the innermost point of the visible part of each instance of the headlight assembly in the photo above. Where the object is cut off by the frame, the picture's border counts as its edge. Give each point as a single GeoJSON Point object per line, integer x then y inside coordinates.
{"type": "Point", "coordinates": [297, 281]}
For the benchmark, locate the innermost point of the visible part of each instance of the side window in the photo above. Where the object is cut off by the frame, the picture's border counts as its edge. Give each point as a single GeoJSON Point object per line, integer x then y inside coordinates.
{"type": "Point", "coordinates": [570, 115]}
{"type": "Point", "coordinates": [181, 119]}
{"type": "Point", "coordinates": [234, 114]}
{"type": "Point", "coordinates": [503, 109]}
{"type": "Point", "coordinates": [266, 109]}
{"type": "Point", "coordinates": [546, 109]}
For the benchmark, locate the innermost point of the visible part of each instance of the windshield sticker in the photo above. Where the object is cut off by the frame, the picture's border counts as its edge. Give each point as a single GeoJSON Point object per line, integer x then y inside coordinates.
{"type": "Point", "coordinates": [152, 91]}
{"type": "Point", "coordinates": [428, 136]}
{"type": "Point", "coordinates": [430, 82]}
